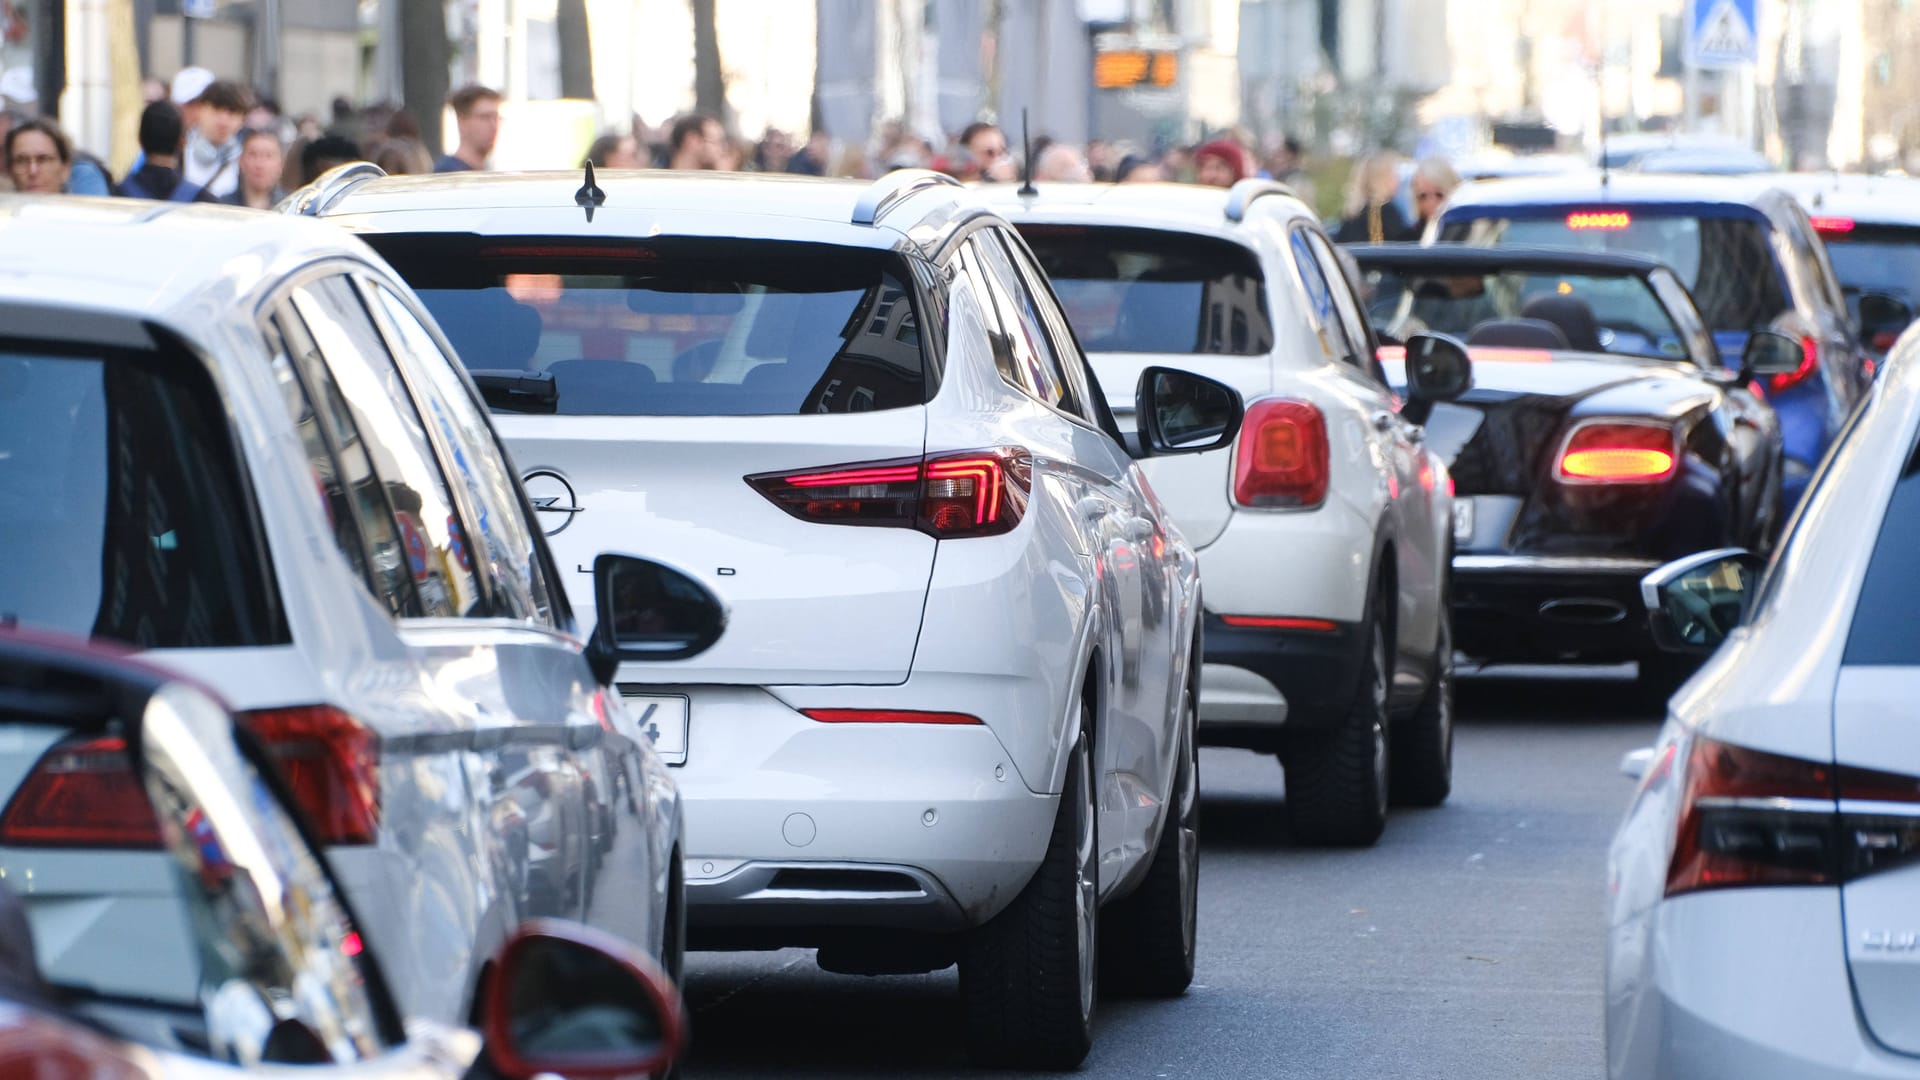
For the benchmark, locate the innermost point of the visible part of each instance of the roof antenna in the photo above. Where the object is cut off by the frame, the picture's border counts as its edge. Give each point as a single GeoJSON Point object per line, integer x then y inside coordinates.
{"type": "Point", "coordinates": [590, 196]}
{"type": "Point", "coordinates": [1026, 159]}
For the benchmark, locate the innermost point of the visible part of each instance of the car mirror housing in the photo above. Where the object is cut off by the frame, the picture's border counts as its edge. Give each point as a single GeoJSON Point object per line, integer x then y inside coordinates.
{"type": "Point", "coordinates": [1438, 369]}
{"type": "Point", "coordinates": [569, 1001]}
{"type": "Point", "coordinates": [1882, 317]}
{"type": "Point", "coordinates": [645, 610]}
{"type": "Point", "coordinates": [1770, 352]}
{"type": "Point", "coordinates": [1180, 412]}
{"type": "Point", "coordinates": [1694, 603]}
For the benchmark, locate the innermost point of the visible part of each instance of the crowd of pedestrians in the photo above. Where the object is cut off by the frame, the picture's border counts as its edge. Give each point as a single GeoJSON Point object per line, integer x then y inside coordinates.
{"type": "Point", "coordinates": [204, 139]}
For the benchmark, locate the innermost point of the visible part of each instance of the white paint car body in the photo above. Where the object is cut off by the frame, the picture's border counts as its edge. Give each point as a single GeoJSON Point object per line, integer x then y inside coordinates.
{"type": "Point", "coordinates": [1291, 589]}
{"type": "Point", "coordinates": [1771, 969]}
{"type": "Point", "coordinates": [477, 733]}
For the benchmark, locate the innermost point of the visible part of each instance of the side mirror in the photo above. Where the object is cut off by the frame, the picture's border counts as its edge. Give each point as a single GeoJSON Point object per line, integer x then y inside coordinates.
{"type": "Point", "coordinates": [1882, 318]}
{"type": "Point", "coordinates": [1695, 602]}
{"type": "Point", "coordinates": [570, 1001]}
{"type": "Point", "coordinates": [1438, 369]}
{"type": "Point", "coordinates": [647, 611]}
{"type": "Point", "coordinates": [1770, 352]}
{"type": "Point", "coordinates": [1182, 413]}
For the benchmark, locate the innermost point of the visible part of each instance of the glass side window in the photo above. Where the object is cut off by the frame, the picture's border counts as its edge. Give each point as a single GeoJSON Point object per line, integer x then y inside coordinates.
{"type": "Point", "coordinates": [519, 586]}
{"type": "Point", "coordinates": [328, 477]}
{"type": "Point", "coordinates": [124, 509]}
{"type": "Point", "coordinates": [438, 558]}
{"type": "Point", "coordinates": [1081, 386]}
{"type": "Point", "coordinates": [1884, 632]}
{"type": "Point", "coordinates": [1033, 355]}
{"type": "Point", "coordinates": [1320, 299]}
{"type": "Point", "coordinates": [1352, 323]}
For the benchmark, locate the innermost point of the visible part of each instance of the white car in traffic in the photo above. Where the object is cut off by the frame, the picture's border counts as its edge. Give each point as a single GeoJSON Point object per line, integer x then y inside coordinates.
{"type": "Point", "coordinates": [1325, 532]}
{"type": "Point", "coordinates": [1763, 889]}
{"type": "Point", "coordinates": [243, 451]}
{"type": "Point", "coordinates": [951, 720]}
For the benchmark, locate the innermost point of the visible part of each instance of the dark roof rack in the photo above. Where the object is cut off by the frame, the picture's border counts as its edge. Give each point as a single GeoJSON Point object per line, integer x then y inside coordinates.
{"type": "Point", "coordinates": [326, 189]}
{"type": "Point", "coordinates": [1243, 192]}
{"type": "Point", "coordinates": [893, 187]}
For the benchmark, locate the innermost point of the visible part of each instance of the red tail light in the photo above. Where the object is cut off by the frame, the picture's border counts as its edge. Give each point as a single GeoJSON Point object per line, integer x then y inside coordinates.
{"type": "Point", "coordinates": [1749, 817]}
{"type": "Point", "coordinates": [1809, 363]}
{"type": "Point", "coordinates": [1279, 622]}
{"type": "Point", "coordinates": [1282, 460]}
{"type": "Point", "coordinates": [330, 761]}
{"type": "Point", "coordinates": [83, 793]}
{"type": "Point", "coordinates": [1617, 453]}
{"type": "Point", "coordinates": [887, 716]}
{"type": "Point", "coordinates": [946, 496]}
{"type": "Point", "coordinates": [1828, 226]}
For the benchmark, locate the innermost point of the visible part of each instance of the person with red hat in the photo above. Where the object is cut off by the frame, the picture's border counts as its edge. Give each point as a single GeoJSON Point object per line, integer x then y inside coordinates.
{"type": "Point", "coordinates": [1220, 163]}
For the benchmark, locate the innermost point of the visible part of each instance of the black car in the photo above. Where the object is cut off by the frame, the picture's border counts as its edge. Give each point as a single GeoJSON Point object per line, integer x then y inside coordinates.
{"type": "Point", "coordinates": [1602, 438]}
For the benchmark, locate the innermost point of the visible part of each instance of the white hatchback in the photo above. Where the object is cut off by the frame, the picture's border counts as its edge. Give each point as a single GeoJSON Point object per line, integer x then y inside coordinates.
{"type": "Point", "coordinates": [1326, 532]}
{"type": "Point", "coordinates": [234, 443]}
{"type": "Point", "coordinates": [1763, 889]}
{"type": "Point", "coordinates": [952, 716]}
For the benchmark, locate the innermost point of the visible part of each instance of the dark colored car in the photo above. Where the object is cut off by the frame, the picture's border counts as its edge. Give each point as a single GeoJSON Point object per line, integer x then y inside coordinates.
{"type": "Point", "coordinates": [1745, 249]}
{"type": "Point", "coordinates": [1603, 436]}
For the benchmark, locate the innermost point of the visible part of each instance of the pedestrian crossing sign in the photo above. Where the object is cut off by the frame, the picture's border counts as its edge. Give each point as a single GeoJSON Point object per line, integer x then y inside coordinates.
{"type": "Point", "coordinates": [1720, 33]}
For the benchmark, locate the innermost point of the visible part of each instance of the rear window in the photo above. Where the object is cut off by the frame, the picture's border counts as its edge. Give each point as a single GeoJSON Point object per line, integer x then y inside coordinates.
{"type": "Point", "coordinates": [1726, 262]}
{"type": "Point", "coordinates": [1150, 291]}
{"type": "Point", "coordinates": [672, 327]}
{"type": "Point", "coordinates": [1876, 258]}
{"type": "Point", "coordinates": [1614, 313]}
{"type": "Point", "coordinates": [124, 513]}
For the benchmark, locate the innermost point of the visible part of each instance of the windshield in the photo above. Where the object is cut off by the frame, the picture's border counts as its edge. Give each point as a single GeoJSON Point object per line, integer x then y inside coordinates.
{"type": "Point", "coordinates": [1726, 262]}
{"type": "Point", "coordinates": [1614, 313]}
{"type": "Point", "coordinates": [123, 512]}
{"type": "Point", "coordinates": [1149, 291]}
{"type": "Point", "coordinates": [674, 328]}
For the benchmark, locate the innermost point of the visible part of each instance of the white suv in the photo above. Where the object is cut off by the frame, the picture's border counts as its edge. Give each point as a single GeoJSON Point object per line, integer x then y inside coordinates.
{"type": "Point", "coordinates": [951, 719]}
{"type": "Point", "coordinates": [241, 451]}
{"type": "Point", "coordinates": [1325, 532]}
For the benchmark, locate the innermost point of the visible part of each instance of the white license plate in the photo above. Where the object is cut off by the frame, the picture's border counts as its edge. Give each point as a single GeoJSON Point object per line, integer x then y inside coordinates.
{"type": "Point", "coordinates": [1462, 520]}
{"type": "Point", "coordinates": [664, 720]}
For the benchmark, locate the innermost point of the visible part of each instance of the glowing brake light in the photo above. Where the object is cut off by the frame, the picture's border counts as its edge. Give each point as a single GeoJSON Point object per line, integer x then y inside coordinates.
{"type": "Point", "coordinates": [1833, 224]}
{"type": "Point", "coordinates": [888, 716]}
{"type": "Point", "coordinates": [1599, 219]}
{"type": "Point", "coordinates": [1283, 458]}
{"type": "Point", "coordinates": [946, 496]}
{"type": "Point", "coordinates": [1617, 453]}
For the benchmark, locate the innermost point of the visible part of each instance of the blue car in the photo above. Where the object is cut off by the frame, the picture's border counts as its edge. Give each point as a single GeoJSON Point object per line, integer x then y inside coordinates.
{"type": "Point", "coordinates": [1744, 248]}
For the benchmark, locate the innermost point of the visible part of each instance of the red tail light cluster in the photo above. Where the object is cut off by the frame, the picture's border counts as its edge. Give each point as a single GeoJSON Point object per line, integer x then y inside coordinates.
{"type": "Point", "coordinates": [330, 762]}
{"type": "Point", "coordinates": [1809, 363]}
{"type": "Point", "coordinates": [1753, 818]}
{"type": "Point", "coordinates": [83, 793]}
{"type": "Point", "coordinates": [1282, 461]}
{"type": "Point", "coordinates": [946, 496]}
{"type": "Point", "coordinates": [1617, 453]}
{"type": "Point", "coordinates": [887, 716]}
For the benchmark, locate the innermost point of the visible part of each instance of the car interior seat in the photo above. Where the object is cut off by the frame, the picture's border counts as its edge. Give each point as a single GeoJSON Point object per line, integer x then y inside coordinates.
{"type": "Point", "coordinates": [1518, 334]}
{"type": "Point", "coordinates": [1572, 315]}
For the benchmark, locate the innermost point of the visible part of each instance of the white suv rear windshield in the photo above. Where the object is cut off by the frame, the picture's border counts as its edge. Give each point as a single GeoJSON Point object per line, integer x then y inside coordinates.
{"type": "Point", "coordinates": [1153, 291]}
{"type": "Point", "coordinates": [671, 327]}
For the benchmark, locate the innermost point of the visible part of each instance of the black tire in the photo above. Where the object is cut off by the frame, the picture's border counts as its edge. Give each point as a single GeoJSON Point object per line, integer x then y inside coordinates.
{"type": "Point", "coordinates": [1028, 977]}
{"type": "Point", "coordinates": [1147, 940]}
{"type": "Point", "coordinates": [1422, 744]}
{"type": "Point", "coordinates": [673, 935]}
{"type": "Point", "coordinates": [1337, 780]}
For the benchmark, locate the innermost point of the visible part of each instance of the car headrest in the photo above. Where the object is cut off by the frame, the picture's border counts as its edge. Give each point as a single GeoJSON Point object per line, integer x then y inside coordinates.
{"type": "Point", "coordinates": [1572, 315]}
{"type": "Point", "coordinates": [1518, 334]}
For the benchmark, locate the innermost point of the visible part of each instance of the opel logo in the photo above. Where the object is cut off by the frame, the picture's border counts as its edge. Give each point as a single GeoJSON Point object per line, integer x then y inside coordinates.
{"type": "Point", "coordinates": [552, 499]}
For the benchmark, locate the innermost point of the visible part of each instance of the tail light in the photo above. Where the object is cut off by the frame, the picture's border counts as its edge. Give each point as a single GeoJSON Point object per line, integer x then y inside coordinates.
{"type": "Point", "coordinates": [946, 496]}
{"type": "Point", "coordinates": [1617, 453]}
{"type": "Point", "coordinates": [83, 793]}
{"type": "Point", "coordinates": [1282, 461]}
{"type": "Point", "coordinates": [1753, 818]}
{"type": "Point", "coordinates": [330, 761]}
{"type": "Point", "coordinates": [887, 716]}
{"type": "Point", "coordinates": [1809, 363]}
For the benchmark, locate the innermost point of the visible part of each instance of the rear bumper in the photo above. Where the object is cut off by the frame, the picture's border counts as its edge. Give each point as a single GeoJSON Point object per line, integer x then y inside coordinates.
{"type": "Point", "coordinates": [1311, 674]}
{"type": "Point", "coordinates": [1549, 607]}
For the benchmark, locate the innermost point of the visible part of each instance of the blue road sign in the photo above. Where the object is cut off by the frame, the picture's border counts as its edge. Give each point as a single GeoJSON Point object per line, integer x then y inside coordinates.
{"type": "Point", "coordinates": [1721, 33]}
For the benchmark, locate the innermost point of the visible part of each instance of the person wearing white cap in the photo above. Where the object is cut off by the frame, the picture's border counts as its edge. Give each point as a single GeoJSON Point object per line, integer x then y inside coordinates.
{"type": "Point", "coordinates": [189, 84]}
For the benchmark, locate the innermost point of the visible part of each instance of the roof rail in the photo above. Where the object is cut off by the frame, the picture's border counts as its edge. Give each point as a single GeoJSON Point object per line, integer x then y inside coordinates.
{"type": "Point", "coordinates": [893, 187]}
{"type": "Point", "coordinates": [1243, 192]}
{"type": "Point", "coordinates": [326, 189]}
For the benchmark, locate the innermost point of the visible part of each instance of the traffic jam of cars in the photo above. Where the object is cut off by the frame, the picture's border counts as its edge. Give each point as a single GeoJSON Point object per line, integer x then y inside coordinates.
{"type": "Point", "coordinates": [431, 611]}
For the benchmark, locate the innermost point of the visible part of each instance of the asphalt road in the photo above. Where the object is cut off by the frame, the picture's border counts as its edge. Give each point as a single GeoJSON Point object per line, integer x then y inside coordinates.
{"type": "Point", "coordinates": [1467, 944]}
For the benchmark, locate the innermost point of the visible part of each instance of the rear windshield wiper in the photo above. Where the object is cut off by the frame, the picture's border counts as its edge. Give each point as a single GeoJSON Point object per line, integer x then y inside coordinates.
{"type": "Point", "coordinates": [518, 391]}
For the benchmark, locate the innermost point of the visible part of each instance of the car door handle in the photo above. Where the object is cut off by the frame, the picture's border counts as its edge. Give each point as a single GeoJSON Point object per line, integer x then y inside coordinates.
{"type": "Point", "coordinates": [1383, 421]}
{"type": "Point", "coordinates": [1416, 433]}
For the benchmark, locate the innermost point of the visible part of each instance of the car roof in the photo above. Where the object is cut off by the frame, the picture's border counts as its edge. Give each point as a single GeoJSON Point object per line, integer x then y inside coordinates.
{"type": "Point", "coordinates": [910, 207]}
{"type": "Point", "coordinates": [1187, 207]}
{"type": "Point", "coordinates": [171, 262]}
{"type": "Point", "coordinates": [1615, 188]}
{"type": "Point", "coordinates": [1876, 200]}
{"type": "Point", "coordinates": [1483, 259]}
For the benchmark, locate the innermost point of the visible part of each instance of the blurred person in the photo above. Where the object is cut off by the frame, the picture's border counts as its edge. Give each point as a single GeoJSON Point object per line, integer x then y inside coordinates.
{"type": "Point", "coordinates": [1135, 169]}
{"type": "Point", "coordinates": [403, 157]}
{"type": "Point", "coordinates": [1220, 163]}
{"type": "Point", "coordinates": [476, 114]}
{"type": "Point", "coordinates": [212, 155]}
{"type": "Point", "coordinates": [1288, 164]}
{"type": "Point", "coordinates": [1371, 216]}
{"type": "Point", "coordinates": [262, 159]}
{"type": "Point", "coordinates": [39, 157]}
{"type": "Point", "coordinates": [1061, 164]}
{"type": "Point", "coordinates": [1176, 164]}
{"type": "Point", "coordinates": [1434, 181]}
{"type": "Point", "coordinates": [264, 116]}
{"type": "Point", "coordinates": [308, 127]}
{"type": "Point", "coordinates": [853, 164]}
{"type": "Point", "coordinates": [986, 144]}
{"type": "Point", "coordinates": [162, 134]}
{"type": "Point", "coordinates": [774, 152]}
{"type": "Point", "coordinates": [697, 142]}
{"type": "Point", "coordinates": [404, 125]}
{"type": "Point", "coordinates": [329, 152]}
{"type": "Point", "coordinates": [152, 89]}
{"type": "Point", "coordinates": [1101, 159]}
{"type": "Point", "coordinates": [734, 155]}
{"type": "Point", "coordinates": [811, 159]}
{"type": "Point", "coordinates": [615, 151]}
{"type": "Point", "coordinates": [293, 174]}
